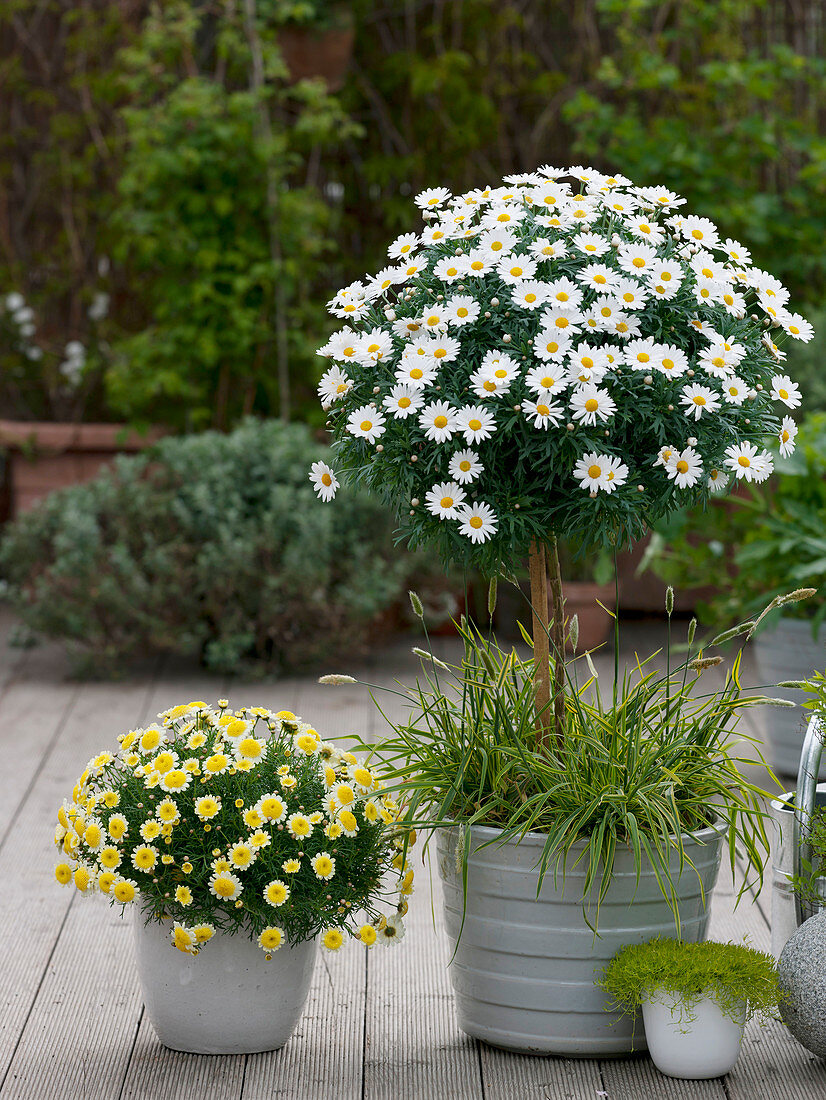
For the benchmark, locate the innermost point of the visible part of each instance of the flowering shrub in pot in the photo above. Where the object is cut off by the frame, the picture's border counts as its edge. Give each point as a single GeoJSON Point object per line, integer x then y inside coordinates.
{"type": "Point", "coordinates": [244, 835]}
{"type": "Point", "coordinates": [567, 356]}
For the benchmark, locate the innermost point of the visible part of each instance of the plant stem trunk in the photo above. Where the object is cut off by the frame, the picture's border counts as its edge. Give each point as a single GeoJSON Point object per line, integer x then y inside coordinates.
{"type": "Point", "coordinates": [541, 671]}
{"type": "Point", "coordinates": [558, 642]}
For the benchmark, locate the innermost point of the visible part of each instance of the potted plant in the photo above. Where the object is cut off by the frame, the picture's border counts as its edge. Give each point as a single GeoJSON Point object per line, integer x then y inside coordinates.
{"type": "Point", "coordinates": [563, 356]}
{"type": "Point", "coordinates": [239, 838]}
{"type": "Point", "coordinates": [695, 1000]}
{"type": "Point", "coordinates": [316, 39]}
{"type": "Point", "coordinates": [756, 544]}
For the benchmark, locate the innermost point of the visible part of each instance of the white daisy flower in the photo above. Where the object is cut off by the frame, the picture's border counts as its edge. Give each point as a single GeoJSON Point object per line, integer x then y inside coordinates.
{"type": "Point", "coordinates": [543, 248]}
{"type": "Point", "coordinates": [625, 326]}
{"type": "Point", "coordinates": [746, 463]}
{"type": "Point", "coordinates": [406, 327]}
{"type": "Point", "coordinates": [645, 230]}
{"type": "Point", "coordinates": [735, 390]}
{"type": "Point", "coordinates": [366, 423]}
{"type": "Point", "coordinates": [411, 267]}
{"type": "Point", "coordinates": [561, 320]}
{"type": "Point", "coordinates": [444, 500]}
{"type": "Point", "coordinates": [444, 349]}
{"type": "Point", "coordinates": [381, 282]}
{"type": "Point", "coordinates": [333, 386]}
{"type": "Point", "coordinates": [478, 522]}
{"type": "Point", "coordinates": [478, 263]}
{"type": "Point", "coordinates": [432, 198]}
{"type": "Point", "coordinates": [373, 346]}
{"type": "Point", "coordinates": [543, 414]}
{"type": "Point", "coordinates": [324, 480]}
{"type": "Point", "coordinates": [546, 381]}
{"type": "Point", "coordinates": [499, 216]}
{"type": "Point", "coordinates": [514, 269]}
{"type": "Point", "coordinates": [720, 358]}
{"type": "Point", "coordinates": [392, 933]}
{"type": "Point", "coordinates": [342, 345]}
{"type": "Point", "coordinates": [705, 266]}
{"type": "Point", "coordinates": [461, 310]}
{"type": "Point", "coordinates": [351, 310]}
{"type": "Point", "coordinates": [433, 319]}
{"type": "Point", "coordinates": [661, 196]}
{"type": "Point", "coordinates": [637, 259]}
{"type": "Point", "coordinates": [439, 421]}
{"type": "Point", "coordinates": [630, 294]}
{"type": "Point", "coordinates": [642, 354]}
{"type": "Point", "coordinates": [735, 303]}
{"type": "Point", "coordinates": [735, 251]}
{"type": "Point", "coordinates": [786, 435]}
{"type": "Point", "coordinates": [770, 291]}
{"type": "Point", "coordinates": [796, 326]}
{"type": "Point", "coordinates": [587, 364]}
{"type": "Point", "coordinates": [584, 211]}
{"type": "Point", "coordinates": [618, 203]}
{"type": "Point", "coordinates": [498, 242]}
{"type": "Point", "coordinates": [530, 294]}
{"type": "Point", "coordinates": [476, 423]}
{"type": "Point", "coordinates": [403, 401]}
{"type": "Point", "coordinates": [414, 372]}
{"type": "Point", "coordinates": [590, 243]}
{"type": "Point", "coordinates": [783, 389]}
{"type": "Point", "coordinates": [703, 327]}
{"type": "Point", "coordinates": [598, 277]}
{"type": "Point", "coordinates": [551, 345]}
{"type": "Point", "coordinates": [699, 231]}
{"type": "Point", "coordinates": [699, 400]}
{"type": "Point", "coordinates": [668, 274]}
{"type": "Point", "coordinates": [465, 467]}
{"type": "Point", "coordinates": [484, 384]}
{"type": "Point", "coordinates": [551, 195]}
{"type": "Point", "coordinates": [709, 291]}
{"type": "Point", "coordinates": [684, 468]}
{"type": "Point", "coordinates": [592, 405]}
{"type": "Point", "coordinates": [564, 294]}
{"type": "Point", "coordinates": [403, 246]}
{"type": "Point", "coordinates": [664, 456]}
{"type": "Point", "coordinates": [716, 480]}
{"type": "Point", "coordinates": [670, 360]}
{"type": "Point", "coordinates": [434, 234]}
{"type": "Point", "coordinates": [500, 366]}
{"type": "Point", "coordinates": [451, 268]}
{"type": "Point", "coordinates": [592, 472]}
{"type": "Point", "coordinates": [559, 221]}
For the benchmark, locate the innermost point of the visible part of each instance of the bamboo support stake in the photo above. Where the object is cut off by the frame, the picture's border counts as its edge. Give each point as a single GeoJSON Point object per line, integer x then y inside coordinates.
{"type": "Point", "coordinates": [558, 642]}
{"type": "Point", "coordinates": [539, 605]}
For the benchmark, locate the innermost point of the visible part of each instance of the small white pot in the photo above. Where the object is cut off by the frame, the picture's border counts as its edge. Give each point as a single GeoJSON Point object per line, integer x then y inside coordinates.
{"type": "Point", "coordinates": [693, 1042]}
{"type": "Point", "coordinates": [227, 999]}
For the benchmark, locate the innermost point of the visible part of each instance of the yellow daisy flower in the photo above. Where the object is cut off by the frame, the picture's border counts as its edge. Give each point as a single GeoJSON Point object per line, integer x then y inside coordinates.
{"type": "Point", "coordinates": [145, 857]}
{"type": "Point", "coordinates": [299, 826]}
{"type": "Point", "coordinates": [307, 743]}
{"type": "Point", "coordinates": [253, 818]}
{"type": "Point", "coordinates": [110, 857]}
{"type": "Point", "coordinates": [225, 886]}
{"type": "Point", "coordinates": [168, 812]}
{"type": "Point", "coordinates": [150, 739]}
{"type": "Point", "coordinates": [216, 764]}
{"type": "Point", "coordinates": [150, 829]}
{"type": "Point", "coordinates": [324, 865]}
{"type": "Point", "coordinates": [183, 895]}
{"type": "Point", "coordinates": [271, 939]}
{"type": "Point", "coordinates": [83, 878]}
{"type": "Point", "coordinates": [241, 855]}
{"type": "Point", "coordinates": [63, 873]}
{"type": "Point", "coordinates": [332, 939]}
{"type": "Point", "coordinates": [105, 880]}
{"type": "Point", "coordinates": [117, 827]}
{"type": "Point", "coordinates": [203, 932]}
{"type": "Point", "coordinates": [347, 820]}
{"type": "Point", "coordinates": [276, 892]}
{"type": "Point", "coordinates": [291, 866]}
{"type": "Point", "coordinates": [125, 890]}
{"type": "Point", "coordinates": [183, 938]}
{"type": "Point", "coordinates": [207, 807]}
{"type": "Point", "coordinates": [344, 794]}
{"type": "Point", "coordinates": [367, 934]}
{"type": "Point", "coordinates": [176, 780]}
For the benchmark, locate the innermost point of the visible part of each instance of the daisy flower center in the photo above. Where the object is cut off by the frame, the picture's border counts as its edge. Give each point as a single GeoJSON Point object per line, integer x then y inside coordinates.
{"type": "Point", "coordinates": [665, 277]}
{"type": "Point", "coordinates": [587, 362]}
{"type": "Point", "coordinates": [416, 373]}
{"type": "Point", "coordinates": [501, 373]}
{"type": "Point", "coordinates": [489, 386]}
{"type": "Point", "coordinates": [600, 279]}
{"type": "Point", "coordinates": [547, 382]}
{"type": "Point", "coordinates": [462, 311]}
{"type": "Point", "coordinates": [784, 394]}
{"type": "Point", "coordinates": [326, 479]}
{"type": "Point", "coordinates": [592, 404]}
{"type": "Point", "coordinates": [784, 435]}
{"type": "Point", "coordinates": [543, 410]}
{"type": "Point", "coordinates": [718, 361]}
{"type": "Point", "coordinates": [439, 353]}
{"type": "Point", "coordinates": [404, 402]}
{"type": "Point", "coordinates": [366, 425]}
{"type": "Point", "coordinates": [477, 265]}
{"type": "Point", "coordinates": [594, 471]}
{"type": "Point", "coordinates": [464, 465]}
{"type": "Point", "coordinates": [348, 351]}
{"type": "Point", "coordinates": [698, 399]}
{"type": "Point", "coordinates": [668, 364]}
{"type": "Point", "coordinates": [744, 461]}
{"type": "Point", "coordinates": [476, 521]}
{"type": "Point", "coordinates": [474, 425]}
{"type": "Point", "coordinates": [643, 357]}
{"type": "Point", "coordinates": [682, 466]}
{"type": "Point", "coordinates": [433, 319]}
{"type": "Point", "coordinates": [530, 297]}
{"type": "Point", "coordinates": [638, 261]}
{"type": "Point", "coordinates": [446, 502]}
{"type": "Point", "coordinates": [552, 347]}
{"type": "Point", "coordinates": [440, 422]}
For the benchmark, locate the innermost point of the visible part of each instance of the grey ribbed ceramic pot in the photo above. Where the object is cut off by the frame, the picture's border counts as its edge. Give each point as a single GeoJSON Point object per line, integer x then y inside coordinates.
{"type": "Point", "coordinates": [525, 966]}
{"type": "Point", "coordinates": [787, 652]}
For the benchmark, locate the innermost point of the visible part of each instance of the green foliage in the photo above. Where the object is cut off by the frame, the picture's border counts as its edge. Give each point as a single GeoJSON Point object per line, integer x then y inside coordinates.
{"type": "Point", "coordinates": [654, 762]}
{"type": "Point", "coordinates": [735, 976]}
{"type": "Point", "coordinates": [189, 827]}
{"type": "Point", "coordinates": [756, 545]}
{"type": "Point", "coordinates": [212, 545]}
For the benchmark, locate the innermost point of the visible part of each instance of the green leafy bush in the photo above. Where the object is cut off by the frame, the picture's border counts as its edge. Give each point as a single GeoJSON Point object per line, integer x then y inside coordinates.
{"type": "Point", "coordinates": [212, 545]}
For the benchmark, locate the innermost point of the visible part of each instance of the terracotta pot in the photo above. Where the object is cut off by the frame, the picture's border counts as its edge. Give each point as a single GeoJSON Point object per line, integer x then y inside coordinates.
{"type": "Point", "coordinates": [310, 53]}
{"type": "Point", "coordinates": [594, 621]}
{"type": "Point", "coordinates": [42, 457]}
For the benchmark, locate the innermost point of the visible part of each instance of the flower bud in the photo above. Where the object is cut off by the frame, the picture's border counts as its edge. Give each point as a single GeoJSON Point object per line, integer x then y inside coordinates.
{"type": "Point", "coordinates": [669, 600]}
{"type": "Point", "coordinates": [416, 604]}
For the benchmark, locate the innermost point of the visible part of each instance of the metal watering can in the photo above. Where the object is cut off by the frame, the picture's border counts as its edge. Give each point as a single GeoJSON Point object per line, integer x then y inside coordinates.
{"type": "Point", "coordinates": [791, 814]}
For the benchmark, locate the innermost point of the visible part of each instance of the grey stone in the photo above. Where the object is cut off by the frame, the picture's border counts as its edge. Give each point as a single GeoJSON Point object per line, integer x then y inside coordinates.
{"type": "Point", "coordinates": [802, 979]}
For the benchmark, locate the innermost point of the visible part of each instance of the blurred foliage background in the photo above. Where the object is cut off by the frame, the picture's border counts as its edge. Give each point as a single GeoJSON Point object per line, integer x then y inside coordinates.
{"type": "Point", "coordinates": [178, 206]}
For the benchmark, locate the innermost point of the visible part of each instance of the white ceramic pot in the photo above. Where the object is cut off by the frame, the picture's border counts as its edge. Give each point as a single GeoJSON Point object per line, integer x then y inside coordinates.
{"type": "Point", "coordinates": [227, 999]}
{"type": "Point", "coordinates": [693, 1042]}
{"type": "Point", "coordinates": [525, 964]}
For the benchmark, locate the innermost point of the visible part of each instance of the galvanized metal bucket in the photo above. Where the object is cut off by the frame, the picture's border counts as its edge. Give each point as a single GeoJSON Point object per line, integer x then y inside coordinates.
{"type": "Point", "coordinates": [791, 814]}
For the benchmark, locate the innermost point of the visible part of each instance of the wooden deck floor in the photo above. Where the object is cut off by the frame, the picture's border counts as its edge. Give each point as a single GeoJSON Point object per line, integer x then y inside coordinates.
{"type": "Point", "coordinates": [378, 1026]}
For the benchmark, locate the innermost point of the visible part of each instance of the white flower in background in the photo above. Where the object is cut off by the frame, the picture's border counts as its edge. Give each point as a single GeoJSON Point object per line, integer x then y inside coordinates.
{"type": "Point", "coordinates": [484, 384]}
{"type": "Point", "coordinates": [646, 230]}
{"type": "Point", "coordinates": [699, 231]}
{"type": "Point", "coordinates": [99, 307]}
{"type": "Point", "coordinates": [34, 353]}
{"type": "Point", "coordinates": [439, 421]}
{"type": "Point", "coordinates": [444, 500]}
{"type": "Point", "coordinates": [699, 400]}
{"type": "Point", "coordinates": [341, 345]}
{"type": "Point", "coordinates": [461, 310]}
{"type": "Point", "coordinates": [543, 414]}
{"type": "Point", "coordinates": [599, 277]}
{"type": "Point", "coordinates": [475, 423]}
{"type": "Point", "coordinates": [661, 196]}
{"type": "Point", "coordinates": [433, 319]}
{"type": "Point", "coordinates": [783, 389]}
{"type": "Point", "coordinates": [642, 355]}
{"type": "Point", "coordinates": [587, 363]}
{"type": "Point", "coordinates": [478, 263]}
{"type": "Point", "coordinates": [500, 366]}
{"type": "Point", "coordinates": [414, 265]}
{"type": "Point", "coordinates": [465, 467]}
{"type": "Point", "coordinates": [561, 321]}
{"type": "Point", "coordinates": [684, 468]}
{"type": "Point", "coordinates": [746, 463]}
{"type": "Point", "coordinates": [630, 294]}
{"type": "Point", "coordinates": [786, 436]}
{"type": "Point", "coordinates": [625, 326]}
{"type": "Point", "coordinates": [415, 372]}
{"type": "Point", "coordinates": [564, 294]}
{"type": "Point", "coordinates": [324, 480]}
{"type": "Point", "coordinates": [543, 248]}
{"type": "Point", "coordinates": [14, 302]}
{"type": "Point", "coordinates": [600, 473]}
{"type": "Point", "coordinates": [664, 456]}
{"type": "Point", "coordinates": [592, 405]}
{"type": "Point", "coordinates": [403, 401]}
{"type": "Point", "coordinates": [434, 234]}
{"type": "Point", "coordinates": [333, 386]}
{"type": "Point", "coordinates": [670, 360]}
{"type": "Point", "coordinates": [432, 197]}
{"type": "Point", "coordinates": [546, 381]}
{"type": "Point", "coordinates": [478, 522]}
{"type": "Point", "coordinates": [637, 259]}
{"type": "Point", "coordinates": [499, 242]}
{"type": "Point", "coordinates": [366, 423]}
{"type": "Point", "coordinates": [736, 252]}
{"type": "Point", "coordinates": [717, 480]}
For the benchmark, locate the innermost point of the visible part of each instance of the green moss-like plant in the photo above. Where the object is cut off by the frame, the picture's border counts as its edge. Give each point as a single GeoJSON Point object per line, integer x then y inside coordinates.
{"type": "Point", "coordinates": [730, 973]}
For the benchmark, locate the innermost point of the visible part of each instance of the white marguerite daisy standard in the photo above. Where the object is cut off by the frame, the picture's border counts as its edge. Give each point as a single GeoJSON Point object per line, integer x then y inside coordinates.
{"type": "Point", "coordinates": [576, 354]}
